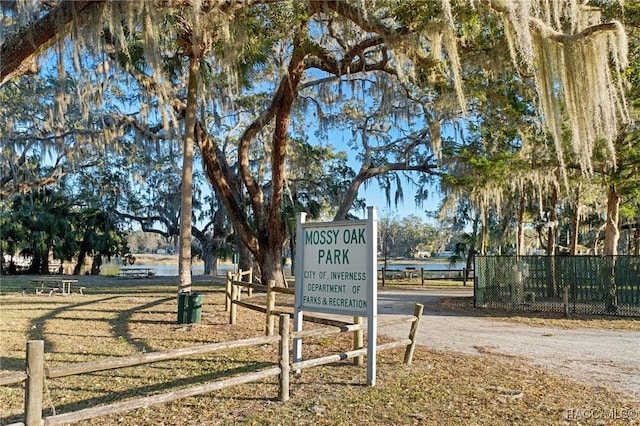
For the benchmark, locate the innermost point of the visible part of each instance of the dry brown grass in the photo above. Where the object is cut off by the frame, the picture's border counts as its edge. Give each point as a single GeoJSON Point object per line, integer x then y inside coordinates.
{"type": "Point", "coordinates": [124, 317]}
{"type": "Point", "coordinates": [554, 319]}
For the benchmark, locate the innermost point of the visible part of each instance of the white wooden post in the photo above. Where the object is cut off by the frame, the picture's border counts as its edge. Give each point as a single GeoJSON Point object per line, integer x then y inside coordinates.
{"type": "Point", "coordinates": [372, 305]}
{"type": "Point", "coordinates": [298, 314]}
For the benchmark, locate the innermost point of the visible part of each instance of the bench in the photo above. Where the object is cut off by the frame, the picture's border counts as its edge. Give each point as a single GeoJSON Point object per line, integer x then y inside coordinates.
{"type": "Point", "coordinates": [43, 290]}
{"type": "Point", "coordinates": [49, 290]}
{"type": "Point", "coordinates": [52, 285]}
{"type": "Point", "coordinates": [136, 272]}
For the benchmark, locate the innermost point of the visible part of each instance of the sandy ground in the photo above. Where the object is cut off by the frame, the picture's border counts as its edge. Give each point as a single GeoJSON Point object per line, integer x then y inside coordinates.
{"type": "Point", "coordinates": [602, 357]}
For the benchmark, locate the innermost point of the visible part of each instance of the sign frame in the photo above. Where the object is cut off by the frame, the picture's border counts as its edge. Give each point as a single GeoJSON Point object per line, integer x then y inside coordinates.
{"type": "Point", "coordinates": [337, 244]}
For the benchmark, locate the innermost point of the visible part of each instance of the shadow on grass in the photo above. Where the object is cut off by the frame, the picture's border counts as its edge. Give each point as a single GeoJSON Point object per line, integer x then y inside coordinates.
{"type": "Point", "coordinates": [151, 389]}
{"type": "Point", "coordinates": [35, 331]}
{"type": "Point", "coordinates": [110, 397]}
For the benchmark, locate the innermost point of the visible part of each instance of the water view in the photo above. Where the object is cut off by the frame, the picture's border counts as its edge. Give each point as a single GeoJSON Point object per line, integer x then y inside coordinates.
{"type": "Point", "coordinates": [172, 270]}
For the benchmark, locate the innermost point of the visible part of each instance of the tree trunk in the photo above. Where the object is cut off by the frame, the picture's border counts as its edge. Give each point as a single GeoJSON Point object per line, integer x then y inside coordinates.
{"type": "Point", "coordinates": [96, 264]}
{"type": "Point", "coordinates": [552, 282]}
{"type": "Point", "coordinates": [265, 234]}
{"type": "Point", "coordinates": [520, 237]}
{"type": "Point", "coordinates": [611, 237]}
{"type": "Point", "coordinates": [636, 240]}
{"type": "Point", "coordinates": [34, 266]}
{"type": "Point", "coordinates": [553, 229]}
{"type": "Point", "coordinates": [77, 270]}
{"type": "Point", "coordinates": [484, 231]}
{"type": "Point", "coordinates": [209, 258]}
{"type": "Point", "coordinates": [44, 268]}
{"type": "Point", "coordinates": [575, 221]}
{"type": "Point", "coordinates": [184, 266]}
{"type": "Point", "coordinates": [272, 246]}
{"type": "Point", "coordinates": [472, 248]}
{"type": "Point", "coordinates": [245, 257]}
{"type": "Point", "coordinates": [611, 233]}
{"type": "Point", "coordinates": [292, 250]}
{"type": "Point", "coordinates": [271, 266]}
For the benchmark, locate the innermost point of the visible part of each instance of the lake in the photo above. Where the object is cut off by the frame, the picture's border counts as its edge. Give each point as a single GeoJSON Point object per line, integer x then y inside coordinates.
{"type": "Point", "coordinates": [172, 270]}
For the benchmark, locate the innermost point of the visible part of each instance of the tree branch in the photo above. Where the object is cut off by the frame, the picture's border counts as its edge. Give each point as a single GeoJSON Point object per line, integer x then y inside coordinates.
{"type": "Point", "coordinates": [19, 53]}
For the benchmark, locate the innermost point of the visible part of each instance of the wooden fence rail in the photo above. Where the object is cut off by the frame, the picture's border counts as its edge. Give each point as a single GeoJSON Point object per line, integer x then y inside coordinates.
{"type": "Point", "coordinates": [148, 358]}
{"type": "Point", "coordinates": [234, 301]}
{"type": "Point", "coordinates": [36, 372]}
{"type": "Point", "coordinates": [463, 274]}
{"type": "Point", "coordinates": [231, 277]}
{"type": "Point", "coordinates": [234, 286]}
{"type": "Point", "coordinates": [13, 378]}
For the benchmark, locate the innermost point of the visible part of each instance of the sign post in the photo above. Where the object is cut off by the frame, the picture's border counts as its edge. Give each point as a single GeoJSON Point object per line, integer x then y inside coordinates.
{"type": "Point", "coordinates": [336, 273]}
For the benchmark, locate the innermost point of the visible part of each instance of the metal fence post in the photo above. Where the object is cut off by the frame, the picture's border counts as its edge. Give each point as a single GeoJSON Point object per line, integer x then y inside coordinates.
{"type": "Point", "coordinates": [34, 384]}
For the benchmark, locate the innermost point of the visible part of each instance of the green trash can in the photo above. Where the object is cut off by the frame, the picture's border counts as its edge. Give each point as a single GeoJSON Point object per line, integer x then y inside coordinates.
{"type": "Point", "coordinates": [189, 307]}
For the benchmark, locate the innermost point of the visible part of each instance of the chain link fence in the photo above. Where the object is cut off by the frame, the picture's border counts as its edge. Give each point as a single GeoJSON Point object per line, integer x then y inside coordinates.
{"type": "Point", "coordinates": [604, 285]}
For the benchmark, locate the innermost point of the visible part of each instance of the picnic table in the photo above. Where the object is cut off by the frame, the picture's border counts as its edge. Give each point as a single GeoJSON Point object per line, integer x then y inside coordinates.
{"type": "Point", "coordinates": [52, 285]}
{"type": "Point", "coordinates": [136, 272]}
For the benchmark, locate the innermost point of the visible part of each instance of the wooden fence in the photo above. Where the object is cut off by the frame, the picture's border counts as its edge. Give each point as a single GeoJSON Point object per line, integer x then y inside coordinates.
{"type": "Point", "coordinates": [37, 373]}
{"type": "Point", "coordinates": [237, 277]}
{"type": "Point", "coordinates": [463, 274]}
{"type": "Point", "coordinates": [234, 287]}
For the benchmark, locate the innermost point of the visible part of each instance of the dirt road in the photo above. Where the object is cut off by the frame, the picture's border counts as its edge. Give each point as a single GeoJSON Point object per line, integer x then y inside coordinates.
{"type": "Point", "coordinates": [601, 357]}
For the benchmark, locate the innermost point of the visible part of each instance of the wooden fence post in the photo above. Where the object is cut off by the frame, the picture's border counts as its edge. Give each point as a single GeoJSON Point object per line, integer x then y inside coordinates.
{"type": "Point", "coordinates": [384, 272]}
{"type": "Point", "coordinates": [422, 276]}
{"type": "Point", "coordinates": [34, 384]}
{"type": "Point", "coordinates": [285, 367]}
{"type": "Point", "coordinates": [227, 304]}
{"type": "Point", "coordinates": [271, 304]}
{"type": "Point", "coordinates": [408, 354]}
{"type": "Point", "coordinates": [250, 280]}
{"type": "Point", "coordinates": [234, 308]}
{"type": "Point", "coordinates": [238, 279]}
{"type": "Point", "coordinates": [358, 342]}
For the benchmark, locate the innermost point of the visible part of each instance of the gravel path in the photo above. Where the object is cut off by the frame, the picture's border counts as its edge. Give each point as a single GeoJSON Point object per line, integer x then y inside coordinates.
{"type": "Point", "coordinates": [601, 357]}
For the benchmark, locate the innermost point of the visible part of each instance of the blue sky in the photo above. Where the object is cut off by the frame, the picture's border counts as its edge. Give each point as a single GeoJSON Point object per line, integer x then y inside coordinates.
{"type": "Point", "coordinates": [375, 197]}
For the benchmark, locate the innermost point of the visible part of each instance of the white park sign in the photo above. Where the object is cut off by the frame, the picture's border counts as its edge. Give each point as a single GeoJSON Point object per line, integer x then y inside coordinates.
{"type": "Point", "coordinates": [334, 278]}
{"type": "Point", "coordinates": [337, 273]}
